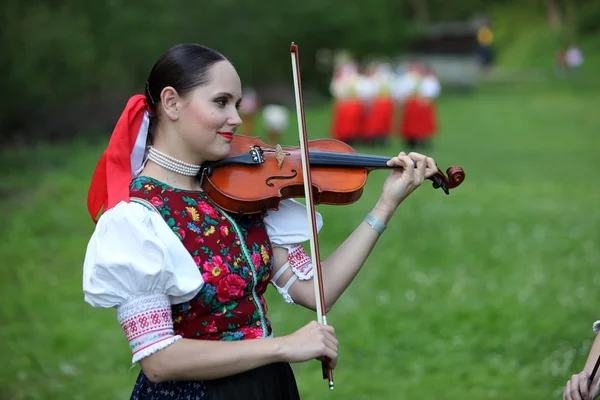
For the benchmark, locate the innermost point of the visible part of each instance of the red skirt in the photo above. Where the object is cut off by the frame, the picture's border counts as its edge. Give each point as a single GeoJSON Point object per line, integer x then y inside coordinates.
{"type": "Point", "coordinates": [378, 121]}
{"type": "Point", "coordinates": [419, 119]}
{"type": "Point", "coordinates": [347, 118]}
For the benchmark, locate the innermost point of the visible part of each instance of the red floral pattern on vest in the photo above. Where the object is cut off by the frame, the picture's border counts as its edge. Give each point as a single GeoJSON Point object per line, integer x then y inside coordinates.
{"type": "Point", "coordinates": [230, 305]}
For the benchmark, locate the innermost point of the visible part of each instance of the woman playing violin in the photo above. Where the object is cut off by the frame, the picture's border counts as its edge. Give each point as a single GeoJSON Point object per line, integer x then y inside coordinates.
{"type": "Point", "coordinates": [188, 279]}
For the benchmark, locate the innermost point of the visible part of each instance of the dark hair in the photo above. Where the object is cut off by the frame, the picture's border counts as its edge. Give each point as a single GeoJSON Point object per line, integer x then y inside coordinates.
{"type": "Point", "coordinates": [183, 67]}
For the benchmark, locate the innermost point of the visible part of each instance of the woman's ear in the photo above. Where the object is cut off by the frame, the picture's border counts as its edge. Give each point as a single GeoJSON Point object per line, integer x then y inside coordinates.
{"type": "Point", "coordinates": [169, 102]}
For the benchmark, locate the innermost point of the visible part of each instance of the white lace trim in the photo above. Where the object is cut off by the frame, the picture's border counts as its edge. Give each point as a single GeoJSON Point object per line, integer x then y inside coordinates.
{"type": "Point", "coordinates": [148, 324]}
{"type": "Point", "coordinates": [596, 326]}
{"type": "Point", "coordinates": [284, 293]}
{"type": "Point", "coordinates": [154, 348]}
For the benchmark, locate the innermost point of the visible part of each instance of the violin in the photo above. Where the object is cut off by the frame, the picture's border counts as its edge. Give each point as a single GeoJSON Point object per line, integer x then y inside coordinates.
{"type": "Point", "coordinates": [255, 176]}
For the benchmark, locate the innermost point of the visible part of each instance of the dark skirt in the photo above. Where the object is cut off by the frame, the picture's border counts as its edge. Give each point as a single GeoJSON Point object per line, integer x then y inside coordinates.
{"type": "Point", "coordinates": [273, 381]}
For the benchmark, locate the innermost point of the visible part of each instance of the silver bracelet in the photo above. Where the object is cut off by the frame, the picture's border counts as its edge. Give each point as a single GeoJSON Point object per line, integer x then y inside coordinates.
{"type": "Point", "coordinates": [375, 223]}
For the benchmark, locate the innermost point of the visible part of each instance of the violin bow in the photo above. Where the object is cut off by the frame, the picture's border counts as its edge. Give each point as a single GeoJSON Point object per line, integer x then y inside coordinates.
{"type": "Point", "coordinates": [596, 387]}
{"type": "Point", "coordinates": [310, 205]}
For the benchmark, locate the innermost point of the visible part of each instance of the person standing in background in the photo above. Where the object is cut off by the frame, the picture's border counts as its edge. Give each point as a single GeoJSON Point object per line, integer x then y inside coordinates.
{"type": "Point", "coordinates": [485, 38]}
{"type": "Point", "coordinates": [429, 90]}
{"type": "Point", "coordinates": [347, 107]}
{"type": "Point", "coordinates": [276, 121]}
{"type": "Point", "coordinates": [416, 91]}
{"type": "Point", "coordinates": [380, 113]}
{"type": "Point", "coordinates": [574, 58]}
{"type": "Point", "coordinates": [248, 109]}
{"type": "Point", "coordinates": [407, 91]}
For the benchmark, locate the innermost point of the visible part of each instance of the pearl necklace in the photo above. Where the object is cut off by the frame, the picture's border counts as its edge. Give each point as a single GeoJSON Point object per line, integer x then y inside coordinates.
{"type": "Point", "coordinates": [172, 164]}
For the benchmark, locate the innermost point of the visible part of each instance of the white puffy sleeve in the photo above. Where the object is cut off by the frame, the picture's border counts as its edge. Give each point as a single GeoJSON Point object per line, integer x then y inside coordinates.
{"type": "Point", "coordinates": [403, 86]}
{"type": "Point", "coordinates": [288, 228]}
{"type": "Point", "coordinates": [430, 87]}
{"type": "Point", "coordinates": [340, 88]}
{"type": "Point", "coordinates": [136, 264]}
{"type": "Point", "coordinates": [366, 88]}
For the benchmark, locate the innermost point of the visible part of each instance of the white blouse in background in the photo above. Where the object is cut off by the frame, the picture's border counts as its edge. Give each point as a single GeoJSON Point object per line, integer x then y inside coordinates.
{"type": "Point", "coordinates": [430, 87]}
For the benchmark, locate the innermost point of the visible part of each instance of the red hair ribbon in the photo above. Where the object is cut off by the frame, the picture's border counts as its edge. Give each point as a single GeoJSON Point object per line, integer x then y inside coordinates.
{"type": "Point", "coordinates": [122, 159]}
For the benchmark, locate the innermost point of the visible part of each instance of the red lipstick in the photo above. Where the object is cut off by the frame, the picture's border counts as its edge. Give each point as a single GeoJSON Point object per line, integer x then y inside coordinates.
{"type": "Point", "coordinates": [227, 135]}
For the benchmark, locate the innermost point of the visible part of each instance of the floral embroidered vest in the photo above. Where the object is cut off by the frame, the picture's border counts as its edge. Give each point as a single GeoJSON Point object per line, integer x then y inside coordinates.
{"type": "Point", "coordinates": [230, 305]}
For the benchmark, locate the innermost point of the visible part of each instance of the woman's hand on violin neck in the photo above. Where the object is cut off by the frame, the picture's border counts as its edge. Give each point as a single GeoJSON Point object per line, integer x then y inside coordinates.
{"type": "Point", "coordinates": [312, 341]}
{"type": "Point", "coordinates": [403, 181]}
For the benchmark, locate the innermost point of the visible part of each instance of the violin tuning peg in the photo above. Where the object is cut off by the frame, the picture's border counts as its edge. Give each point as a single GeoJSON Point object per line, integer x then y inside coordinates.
{"type": "Point", "coordinates": [439, 183]}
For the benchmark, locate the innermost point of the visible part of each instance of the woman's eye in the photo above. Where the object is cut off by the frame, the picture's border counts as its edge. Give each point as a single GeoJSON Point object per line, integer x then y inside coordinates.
{"type": "Point", "coordinates": [221, 102]}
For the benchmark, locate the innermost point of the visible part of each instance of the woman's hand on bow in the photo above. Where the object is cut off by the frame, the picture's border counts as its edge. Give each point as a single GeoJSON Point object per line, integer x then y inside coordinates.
{"type": "Point", "coordinates": [578, 387]}
{"type": "Point", "coordinates": [402, 182]}
{"type": "Point", "coordinates": [313, 341]}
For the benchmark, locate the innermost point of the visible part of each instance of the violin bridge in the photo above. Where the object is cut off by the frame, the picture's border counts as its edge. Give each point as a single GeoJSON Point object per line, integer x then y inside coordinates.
{"type": "Point", "coordinates": [279, 155]}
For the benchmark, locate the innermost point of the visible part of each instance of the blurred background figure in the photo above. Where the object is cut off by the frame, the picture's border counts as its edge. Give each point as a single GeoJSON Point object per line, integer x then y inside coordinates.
{"type": "Point", "coordinates": [429, 90]}
{"type": "Point", "coordinates": [366, 89]}
{"type": "Point", "coordinates": [379, 112]}
{"type": "Point", "coordinates": [347, 108]}
{"type": "Point", "coordinates": [568, 60]}
{"type": "Point", "coordinates": [415, 92]}
{"type": "Point", "coordinates": [560, 62]}
{"type": "Point", "coordinates": [573, 57]}
{"type": "Point", "coordinates": [485, 38]}
{"type": "Point", "coordinates": [276, 121]}
{"type": "Point", "coordinates": [248, 108]}
{"type": "Point", "coordinates": [403, 86]}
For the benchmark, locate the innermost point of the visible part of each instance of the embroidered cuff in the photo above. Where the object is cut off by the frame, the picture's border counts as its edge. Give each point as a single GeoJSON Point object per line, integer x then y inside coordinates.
{"type": "Point", "coordinates": [148, 324]}
{"type": "Point", "coordinates": [300, 262]}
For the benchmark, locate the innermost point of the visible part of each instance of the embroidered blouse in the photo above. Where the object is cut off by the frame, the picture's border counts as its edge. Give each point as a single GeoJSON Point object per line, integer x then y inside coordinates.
{"type": "Point", "coordinates": [176, 266]}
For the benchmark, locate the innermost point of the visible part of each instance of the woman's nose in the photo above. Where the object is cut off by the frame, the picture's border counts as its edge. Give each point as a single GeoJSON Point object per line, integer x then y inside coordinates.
{"type": "Point", "coordinates": [235, 119]}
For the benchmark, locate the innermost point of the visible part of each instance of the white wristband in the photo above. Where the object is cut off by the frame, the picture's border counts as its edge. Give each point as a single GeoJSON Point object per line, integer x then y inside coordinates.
{"type": "Point", "coordinates": [375, 223]}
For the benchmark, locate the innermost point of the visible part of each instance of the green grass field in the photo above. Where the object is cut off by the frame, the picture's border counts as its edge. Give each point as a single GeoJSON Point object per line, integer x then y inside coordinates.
{"type": "Point", "coordinates": [488, 293]}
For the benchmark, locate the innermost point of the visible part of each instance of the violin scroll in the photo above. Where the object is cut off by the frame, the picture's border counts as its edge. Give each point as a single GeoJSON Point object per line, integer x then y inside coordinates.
{"type": "Point", "coordinates": [456, 176]}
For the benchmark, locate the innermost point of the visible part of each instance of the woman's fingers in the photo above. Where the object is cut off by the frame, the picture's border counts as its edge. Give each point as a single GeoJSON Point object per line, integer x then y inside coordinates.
{"type": "Point", "coordinates": [421, 161]}
{"type": "Point", "coordinates": [432, 168]}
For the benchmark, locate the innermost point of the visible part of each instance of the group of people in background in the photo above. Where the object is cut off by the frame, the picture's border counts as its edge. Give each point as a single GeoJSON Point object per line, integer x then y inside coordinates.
{"type": "Point", "coordinates": [373, 103]}
{"type": "Point", "coordinates": [370, 104]}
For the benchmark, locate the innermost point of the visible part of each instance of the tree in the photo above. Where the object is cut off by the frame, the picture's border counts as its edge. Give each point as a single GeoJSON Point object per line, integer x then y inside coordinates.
{"type": "Point", "coordinates": [555, 14]}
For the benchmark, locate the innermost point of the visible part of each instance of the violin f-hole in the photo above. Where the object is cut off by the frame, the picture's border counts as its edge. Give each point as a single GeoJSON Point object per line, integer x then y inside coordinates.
{"type": "Point", "coordinates": [280, 177]}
